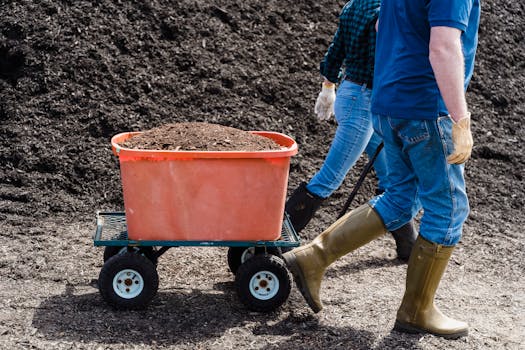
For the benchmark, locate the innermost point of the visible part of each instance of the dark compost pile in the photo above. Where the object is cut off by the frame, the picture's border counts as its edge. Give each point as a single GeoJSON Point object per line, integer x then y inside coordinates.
{"type": "Point", "coordinates": [75, 73]}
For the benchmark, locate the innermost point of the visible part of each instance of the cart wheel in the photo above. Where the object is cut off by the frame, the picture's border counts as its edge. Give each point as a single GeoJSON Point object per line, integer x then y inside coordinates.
{"type": "Point", "coordinates": [110, 251]}
{"type": "Point", "coordinates": [263, 283]}
{"type": "Point", "coordinates": [128, 281]}
{"type": "Point", "coordinates": [238, 255]}
{"type": "Point", "coordinates": [148, 252]}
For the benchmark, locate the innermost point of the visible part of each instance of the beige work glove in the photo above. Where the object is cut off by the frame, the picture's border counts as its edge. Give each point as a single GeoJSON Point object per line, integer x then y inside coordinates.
{"type": "Point", "coordinates": [462, 139]}
{"type": "Point", "coordinates": [324, 106]}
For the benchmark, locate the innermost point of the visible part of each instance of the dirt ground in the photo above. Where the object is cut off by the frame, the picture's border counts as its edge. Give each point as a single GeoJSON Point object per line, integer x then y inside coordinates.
{"type": "Point", "coordinates": [75, 73]}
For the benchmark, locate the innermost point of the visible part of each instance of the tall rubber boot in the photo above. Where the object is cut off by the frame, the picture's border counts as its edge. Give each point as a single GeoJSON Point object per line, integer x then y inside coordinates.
{"type": "Point", "coordinates": [309, 262]}
{"type": "Point", "coordinates": [301, 206]}
{"type": "Point", "coordinates": [405, 237]}
{"type": "Point", "coordinates": [417, 313]}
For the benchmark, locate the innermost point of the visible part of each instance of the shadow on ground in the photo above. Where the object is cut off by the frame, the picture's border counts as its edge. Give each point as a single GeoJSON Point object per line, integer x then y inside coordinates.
{"type": "Point", "coordinates": [184, 317]}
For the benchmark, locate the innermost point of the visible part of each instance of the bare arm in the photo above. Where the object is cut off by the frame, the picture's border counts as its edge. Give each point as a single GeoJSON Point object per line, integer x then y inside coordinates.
{"type": "Point", "coordinates": [446, 58]}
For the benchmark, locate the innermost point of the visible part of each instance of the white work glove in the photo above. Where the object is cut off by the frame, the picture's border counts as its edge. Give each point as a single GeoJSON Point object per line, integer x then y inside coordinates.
{"type": "Point", "coordinates": [324, 106]}
{"type": "Point", "coordinates": [462, 139]}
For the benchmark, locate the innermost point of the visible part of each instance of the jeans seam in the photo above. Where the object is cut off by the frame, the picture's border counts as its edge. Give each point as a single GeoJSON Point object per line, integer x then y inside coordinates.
{"type": "Point", "coordinates": [454, 205]}
{"type": "Point", "coordinates": [379, 129]}
{"type": "Point", "coordinates": [450, 183]}
{"type": "Point", "coordinates": [348, 112]}
{"type": "Point", "coordinates": [442, 136]}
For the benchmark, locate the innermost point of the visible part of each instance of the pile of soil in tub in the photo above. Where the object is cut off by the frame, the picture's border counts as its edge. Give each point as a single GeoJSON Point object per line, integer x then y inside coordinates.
{"type": "Point", "coordinates": [196, 136]}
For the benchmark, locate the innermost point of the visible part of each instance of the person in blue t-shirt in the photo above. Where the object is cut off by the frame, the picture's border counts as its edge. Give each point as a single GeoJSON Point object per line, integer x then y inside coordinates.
{"type": "Point", "coordinates": [424, 61]}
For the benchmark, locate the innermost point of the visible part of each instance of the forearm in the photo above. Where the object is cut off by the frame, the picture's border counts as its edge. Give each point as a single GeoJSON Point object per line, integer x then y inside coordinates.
{"type": "Point", "coordinates": [446, 58]}
{"type": "Point", "coordinates": [333, 59]}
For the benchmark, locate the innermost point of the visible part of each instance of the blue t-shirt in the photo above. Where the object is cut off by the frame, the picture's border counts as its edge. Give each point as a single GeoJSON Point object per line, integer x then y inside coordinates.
{"type": "Point", "coordinates": [404, 82]}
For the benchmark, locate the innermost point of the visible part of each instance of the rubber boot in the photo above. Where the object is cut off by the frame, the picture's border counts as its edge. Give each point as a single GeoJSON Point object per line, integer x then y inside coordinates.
{"type": "Point", "coordinates": [417, 313]}
{"type": "Point", "coordinates": [405, 237]}
{"type": "Point", "coordinates": [301, 207]}
{"type": "Point", "coordinates": [309, 262]}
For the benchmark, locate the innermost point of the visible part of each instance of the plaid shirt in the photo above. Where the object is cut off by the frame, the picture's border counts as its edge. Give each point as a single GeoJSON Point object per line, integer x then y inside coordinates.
{"type": "Point", "coordinates": [353, 43]}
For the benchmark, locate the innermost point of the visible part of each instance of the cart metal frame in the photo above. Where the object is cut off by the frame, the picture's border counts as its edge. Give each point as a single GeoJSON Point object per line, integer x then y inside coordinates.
{"type": "Point", "coordinates": [111, 227]}
{"type": "Point", "coordinates": [129, 280]}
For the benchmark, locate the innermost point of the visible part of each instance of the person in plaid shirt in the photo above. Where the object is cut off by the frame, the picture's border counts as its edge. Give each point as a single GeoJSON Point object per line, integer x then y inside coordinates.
{"type": "Point", "coordinates": [352, 47]}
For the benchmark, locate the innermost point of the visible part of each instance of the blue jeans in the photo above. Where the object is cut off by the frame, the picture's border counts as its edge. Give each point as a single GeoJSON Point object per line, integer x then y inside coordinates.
{"type": "Point", "coordinates": [354, 134]}
{"type": "Point", "coordinates": [417, 167]}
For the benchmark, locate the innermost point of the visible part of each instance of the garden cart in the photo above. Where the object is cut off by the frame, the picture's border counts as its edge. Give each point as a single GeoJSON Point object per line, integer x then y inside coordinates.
{"type": "Point", "coordinates": [201, 199]}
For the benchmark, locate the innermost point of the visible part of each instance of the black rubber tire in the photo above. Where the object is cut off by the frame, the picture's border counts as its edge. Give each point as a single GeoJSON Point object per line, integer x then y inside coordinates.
{"type": "Point", "coordinates": [110, 251]}
{"type": "Point", "coordinates": [237, 256]}
{"type": "Point", "coordinates": [133, 261]}
{"type": "Point", "coordinates": [263, 268]}
{"type": "Point", "coordinates": [148, 252]}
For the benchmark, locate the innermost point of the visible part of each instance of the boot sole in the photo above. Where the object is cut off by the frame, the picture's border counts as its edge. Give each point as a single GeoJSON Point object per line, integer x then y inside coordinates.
{"type": "Point", "coordinates": [406, 328]}
{"type": "Point", "coordinates": [300, 281]}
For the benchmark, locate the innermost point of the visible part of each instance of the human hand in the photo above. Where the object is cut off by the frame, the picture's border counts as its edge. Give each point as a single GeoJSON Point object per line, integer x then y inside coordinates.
{"type": "Point", "coordinates": [462, 139]}
{"type": "Point", "coordinates": [324, 106]}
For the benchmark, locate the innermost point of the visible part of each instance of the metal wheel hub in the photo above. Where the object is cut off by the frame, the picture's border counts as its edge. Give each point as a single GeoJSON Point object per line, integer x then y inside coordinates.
{"type": "Point", "coordinates": [128, 283]}
{"type": "Point", "coordinates": [264, 285]}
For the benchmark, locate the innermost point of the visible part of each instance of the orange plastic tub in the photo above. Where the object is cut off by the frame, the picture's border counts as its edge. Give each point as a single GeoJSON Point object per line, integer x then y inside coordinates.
{"type": "Point", "coordinates": [204, 195]}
